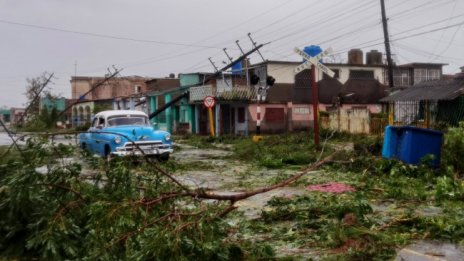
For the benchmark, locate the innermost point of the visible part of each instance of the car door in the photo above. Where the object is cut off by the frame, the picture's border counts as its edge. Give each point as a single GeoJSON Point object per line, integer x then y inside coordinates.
{"type": "Point", "coordinates": [98, 137]}
{"type": "Point", "coordinates": [90, 141]}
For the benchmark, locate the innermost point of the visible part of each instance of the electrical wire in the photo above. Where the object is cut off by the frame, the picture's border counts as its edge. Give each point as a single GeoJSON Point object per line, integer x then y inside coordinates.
{"type": "Point", "coordinates": [104, 35]}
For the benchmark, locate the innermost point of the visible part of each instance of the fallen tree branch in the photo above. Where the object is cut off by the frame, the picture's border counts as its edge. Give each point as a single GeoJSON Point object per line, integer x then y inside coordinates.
{"type": "Point", "coordinates": [250, 193]}
{"type": "Point", "coordinates": [201, 194]}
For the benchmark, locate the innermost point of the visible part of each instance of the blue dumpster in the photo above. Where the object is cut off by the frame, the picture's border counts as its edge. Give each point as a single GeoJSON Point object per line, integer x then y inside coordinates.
{"type": "Point", "coordinates": [410, 144]}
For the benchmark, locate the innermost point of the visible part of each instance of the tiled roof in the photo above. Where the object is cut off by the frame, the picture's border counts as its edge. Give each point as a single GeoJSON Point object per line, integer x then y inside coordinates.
{"type": "Point", "coordinates": [430, 91]}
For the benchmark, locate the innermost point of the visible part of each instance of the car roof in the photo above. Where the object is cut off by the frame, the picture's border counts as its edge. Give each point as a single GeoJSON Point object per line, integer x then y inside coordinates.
{"type": "Point", "coordinates": [107, 114]}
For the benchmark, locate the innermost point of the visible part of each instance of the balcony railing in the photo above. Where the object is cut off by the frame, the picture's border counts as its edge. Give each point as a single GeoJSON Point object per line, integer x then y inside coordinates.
{"type": "Point", "coordinates": [238, 93]}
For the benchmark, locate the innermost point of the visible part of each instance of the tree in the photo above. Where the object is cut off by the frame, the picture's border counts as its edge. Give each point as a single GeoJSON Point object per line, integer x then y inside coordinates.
{"type": "Point", "coordinates": [117, 212]}
{"type": "Point", "coordinates": [35, 87]}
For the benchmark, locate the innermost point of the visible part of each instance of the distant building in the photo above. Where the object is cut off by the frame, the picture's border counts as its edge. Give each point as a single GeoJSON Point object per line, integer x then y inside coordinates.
{"type": "Point", "coordinates": [115, 87]}
{"type": "Point", "coordinates": [113, 93]}
{"type": "Point", "coordinates": [5, 115]}
{"type": "Point", "coordinates": [17, 116]}
{"type": "Point", "coordinates": [432, 104]}
{"type": "Point", "coordinates": [410, 74]}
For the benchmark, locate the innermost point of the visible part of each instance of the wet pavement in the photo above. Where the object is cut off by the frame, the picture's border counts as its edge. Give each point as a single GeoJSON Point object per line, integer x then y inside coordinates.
{"type": "Point", "coordinates": [226, 176]}
{"type": "Point", "coordinates": [20, 138]}
{"type": "Point", "coordinates": [431, 250]}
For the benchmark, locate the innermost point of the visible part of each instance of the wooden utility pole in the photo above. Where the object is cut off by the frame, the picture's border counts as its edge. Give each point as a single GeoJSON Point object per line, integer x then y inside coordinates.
{"type": "Point", "coordinates": [387, 44]}
{"type": "Point", "coordinates": [315, 97]}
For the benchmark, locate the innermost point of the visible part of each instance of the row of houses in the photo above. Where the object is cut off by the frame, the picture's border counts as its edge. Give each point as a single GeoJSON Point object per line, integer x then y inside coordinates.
{"type": "Point", "coordinates": [348, 101]}
{"type": "Point", "coordinates": [356, 90]}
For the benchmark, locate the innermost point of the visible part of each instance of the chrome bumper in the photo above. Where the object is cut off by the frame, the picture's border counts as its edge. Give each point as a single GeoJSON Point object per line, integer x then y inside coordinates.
{"type": "Point", "coordinates": [149, 148]}
{"type": "Point", "coordinates": [148, 152]}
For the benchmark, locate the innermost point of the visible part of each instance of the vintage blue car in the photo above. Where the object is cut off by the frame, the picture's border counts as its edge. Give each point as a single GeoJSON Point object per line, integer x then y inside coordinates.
{"type": "Point", "coordinates": [123, 133]}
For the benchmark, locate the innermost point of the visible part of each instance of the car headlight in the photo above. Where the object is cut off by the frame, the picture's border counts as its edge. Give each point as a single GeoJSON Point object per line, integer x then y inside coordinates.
{"type": "Point", "coordinates": [117, 140]}
{"type": "Point", "coordinates": [167, 137]}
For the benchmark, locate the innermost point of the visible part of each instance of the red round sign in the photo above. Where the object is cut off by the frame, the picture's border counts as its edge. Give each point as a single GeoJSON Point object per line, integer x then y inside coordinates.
{"type": "Point", "coordinates": [209, 102]}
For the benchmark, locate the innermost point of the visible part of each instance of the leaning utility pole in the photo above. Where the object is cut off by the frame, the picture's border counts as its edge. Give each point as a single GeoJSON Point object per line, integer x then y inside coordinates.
{"type": "Point", "coordinates": [214, 75]}
{"type": "Point", "coordinates": [387, 44]}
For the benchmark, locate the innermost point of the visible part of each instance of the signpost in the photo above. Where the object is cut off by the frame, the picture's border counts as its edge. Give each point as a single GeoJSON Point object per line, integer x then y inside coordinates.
{"type": "Point", "coordinates": [209, 103]}
{"type": "Point", "coordinates": [314, 63]}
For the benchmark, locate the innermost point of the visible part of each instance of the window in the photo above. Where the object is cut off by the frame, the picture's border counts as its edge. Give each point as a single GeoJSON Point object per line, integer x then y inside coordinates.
{"type": "Point", "coordinates": [433, 74]}
{"type": "Point", "coordinates": [137, 89]}
{"type": "Point", "coordinates": [361, 74]}
{"type": "Point", "coordinates": [101, 121]}
{"type": "Point", "coordinates": [127, 120]}
{"type": "Point", "coordinates": [400, 77]}
{"type": "Point", "coordinates": [420, 75]}
{"type": "Point", "coordinates": [301, 110]}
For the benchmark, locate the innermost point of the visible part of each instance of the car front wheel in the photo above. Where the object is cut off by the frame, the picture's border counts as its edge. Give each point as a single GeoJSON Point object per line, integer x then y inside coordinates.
{"type": "Point", "coordinates": [108, 155]}
{"type": "Point", "coordinates": [164, 157]}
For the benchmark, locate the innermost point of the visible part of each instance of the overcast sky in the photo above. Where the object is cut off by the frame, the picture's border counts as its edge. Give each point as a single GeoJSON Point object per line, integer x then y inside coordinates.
{"type": "Point", "coordinates": [157, 37]}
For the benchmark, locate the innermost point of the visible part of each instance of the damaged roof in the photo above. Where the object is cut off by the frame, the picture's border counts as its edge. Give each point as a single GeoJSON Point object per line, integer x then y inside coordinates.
{"type": "Point", "coordinates": [435, 90]}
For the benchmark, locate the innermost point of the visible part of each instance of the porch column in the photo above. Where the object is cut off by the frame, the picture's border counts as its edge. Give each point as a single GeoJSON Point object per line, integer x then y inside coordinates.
{"type": "Point", "coordinates": [191, 118]}
{"type": "Point", "coordinates": [217, 119]}
{"type": "Point", "coordinates": [197, 119]}
{"type": "Point", "coordinates": [247, 108]}
{"type": "Point", "coordinates": [168, 98]}
{"type": "Point", "coordinates": [391, 112]}
{"type": "Point", "coordinates": [152, 107]}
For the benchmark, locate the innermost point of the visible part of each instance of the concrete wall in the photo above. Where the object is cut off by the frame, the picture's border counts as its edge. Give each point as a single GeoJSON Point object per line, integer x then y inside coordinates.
{"type": "Point", "coordinates": [354, 120]}
{"type": "Point", "coordinates": [283, 73]}
{"type": "Point", "coordinates": [344, 72]}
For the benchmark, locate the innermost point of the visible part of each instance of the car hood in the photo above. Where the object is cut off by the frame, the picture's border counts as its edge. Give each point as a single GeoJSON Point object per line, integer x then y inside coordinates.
{"type": "Point", "coordinates": [136, 133]}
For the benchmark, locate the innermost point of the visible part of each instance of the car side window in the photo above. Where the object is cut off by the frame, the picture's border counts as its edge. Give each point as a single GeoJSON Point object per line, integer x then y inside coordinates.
{"type": "Point", "coordinates": [101, 122]}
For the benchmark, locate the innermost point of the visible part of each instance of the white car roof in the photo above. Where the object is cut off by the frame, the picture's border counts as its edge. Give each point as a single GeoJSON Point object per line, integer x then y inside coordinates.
{"type": "Point", "coordinates": [107, 114]}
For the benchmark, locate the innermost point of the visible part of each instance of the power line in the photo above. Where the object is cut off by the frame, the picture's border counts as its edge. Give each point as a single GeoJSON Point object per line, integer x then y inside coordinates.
{"type": "Point", "coordinates": [453, 9]}
{"type": "Point", "coordinates": [430, 31]}
{"type": "Point", "coordinates": [105, 35]}
{"type": "Point", "coordinates": [322, 23]}
{"type": "Point", "coordinates": [246, 21]}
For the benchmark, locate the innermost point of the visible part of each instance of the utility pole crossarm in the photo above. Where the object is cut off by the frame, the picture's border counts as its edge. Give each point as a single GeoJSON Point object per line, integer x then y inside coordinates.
{"type": "Point", "coordinates": [209, 78]}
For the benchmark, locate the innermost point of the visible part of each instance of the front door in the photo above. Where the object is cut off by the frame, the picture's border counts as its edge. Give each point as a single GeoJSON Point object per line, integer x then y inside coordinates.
{"type": "Point", "coordinates": [225, 119]}
{"type": "Point", "coordinates": [241, 120]}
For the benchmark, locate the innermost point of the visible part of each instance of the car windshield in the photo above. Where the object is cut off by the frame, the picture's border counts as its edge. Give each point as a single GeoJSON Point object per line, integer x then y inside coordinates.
{"type": "Point", "coordinates": [127, 120]}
